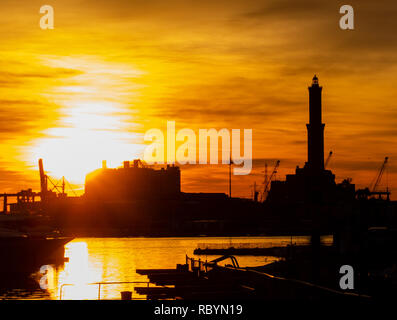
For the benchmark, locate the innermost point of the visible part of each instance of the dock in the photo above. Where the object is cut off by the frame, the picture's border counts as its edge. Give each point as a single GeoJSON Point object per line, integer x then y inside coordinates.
{"type": "Point", "coordinates": [197, 279]}
{"type": "Point", "coordinates": [284, 250]}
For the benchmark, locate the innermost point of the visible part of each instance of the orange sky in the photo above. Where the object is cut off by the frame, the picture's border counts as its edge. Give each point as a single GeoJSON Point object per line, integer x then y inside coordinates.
{"type": "Point", "coordinates": [110, 70]}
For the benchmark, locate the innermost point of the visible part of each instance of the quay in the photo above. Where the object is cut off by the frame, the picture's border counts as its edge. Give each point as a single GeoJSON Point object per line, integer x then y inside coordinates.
{"type": "Point", "coordinates": [198, 279]}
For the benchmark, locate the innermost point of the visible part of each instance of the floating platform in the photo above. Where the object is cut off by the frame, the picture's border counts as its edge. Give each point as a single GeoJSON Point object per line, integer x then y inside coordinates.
{"type": "Point", "coordinates": [275, 251]}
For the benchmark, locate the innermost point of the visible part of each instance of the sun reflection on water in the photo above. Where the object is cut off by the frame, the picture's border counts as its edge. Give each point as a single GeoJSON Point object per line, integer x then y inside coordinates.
{"type": "Point", "coordinates": [112, 260]}
{"type": "Point", "coordinates": [78, 273]}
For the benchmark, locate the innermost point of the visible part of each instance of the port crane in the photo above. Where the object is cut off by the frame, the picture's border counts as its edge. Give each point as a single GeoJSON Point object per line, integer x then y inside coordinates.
{"type": "Point", "coordinates": [373, 188]}
{"type": "Point", "coordinates": [378, 178]}
{"type": "Point", "coordinates": [26, 198]}
{"type": "Point", "coordinates": [268, 180]}
{"type": "Point", "coordinates": [45, 193]}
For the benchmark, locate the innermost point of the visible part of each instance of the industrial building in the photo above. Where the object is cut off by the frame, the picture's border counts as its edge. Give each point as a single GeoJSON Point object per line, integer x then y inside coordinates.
{"type": "Point", "coordinates": [133, 182]}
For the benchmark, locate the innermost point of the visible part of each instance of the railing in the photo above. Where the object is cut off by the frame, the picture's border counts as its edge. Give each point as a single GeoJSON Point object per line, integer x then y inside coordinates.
{"type": "Point", "coordinates": [291, 283]}
{"type": "Point", "coordinates": [301, 283]}
{"type": "Point", "coordinates": [100, 284]}
{"type": "Point", "coordinates": [198, 265]}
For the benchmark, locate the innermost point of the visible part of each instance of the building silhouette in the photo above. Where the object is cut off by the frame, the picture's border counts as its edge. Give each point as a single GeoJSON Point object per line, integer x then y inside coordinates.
{"type": "Point", "coordinates": [133, 182]}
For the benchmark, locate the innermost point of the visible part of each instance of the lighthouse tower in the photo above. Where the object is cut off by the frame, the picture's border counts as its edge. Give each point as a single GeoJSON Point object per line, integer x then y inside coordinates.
{"type": "Point", "coordinates": [315, 129]}
{"type": "Point", "coordinates": [313, 184]}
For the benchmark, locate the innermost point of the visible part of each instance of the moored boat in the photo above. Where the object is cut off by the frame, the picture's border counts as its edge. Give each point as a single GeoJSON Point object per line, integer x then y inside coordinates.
{"type": "Point", "coordinates": [24, 252]}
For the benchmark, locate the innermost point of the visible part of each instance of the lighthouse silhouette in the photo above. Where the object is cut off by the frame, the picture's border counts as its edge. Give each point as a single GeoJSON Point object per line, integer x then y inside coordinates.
{"type": "Point", "coordinates": [315, 129]}
{"type": "Point", "coordinates": [312, 184]}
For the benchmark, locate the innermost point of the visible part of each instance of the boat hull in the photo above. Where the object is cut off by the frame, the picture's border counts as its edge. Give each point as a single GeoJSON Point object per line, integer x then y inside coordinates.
{"type": "Point", "coordinates": [21, 254]}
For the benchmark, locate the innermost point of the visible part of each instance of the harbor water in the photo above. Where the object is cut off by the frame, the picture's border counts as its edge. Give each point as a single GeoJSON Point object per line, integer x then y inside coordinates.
{"type": "Point", "coordinates": [106, 260]}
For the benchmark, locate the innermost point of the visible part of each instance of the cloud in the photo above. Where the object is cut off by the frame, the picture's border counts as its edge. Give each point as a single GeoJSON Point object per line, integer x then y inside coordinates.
{"type": "Point", "coordinates": [20, 180]}
{"type": "Point", "coordinates": [235, 64]}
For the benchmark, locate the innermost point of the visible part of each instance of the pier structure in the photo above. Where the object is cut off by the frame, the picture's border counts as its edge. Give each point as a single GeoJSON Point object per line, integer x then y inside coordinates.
{"type": "Point", "coordinates": [201, 279]}
{"type": "Point", "coordinates": [23, 197]}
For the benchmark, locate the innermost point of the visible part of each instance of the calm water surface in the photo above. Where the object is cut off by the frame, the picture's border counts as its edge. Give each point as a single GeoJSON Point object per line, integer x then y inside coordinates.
{"type": "Point", "coordinates": [116, 260]}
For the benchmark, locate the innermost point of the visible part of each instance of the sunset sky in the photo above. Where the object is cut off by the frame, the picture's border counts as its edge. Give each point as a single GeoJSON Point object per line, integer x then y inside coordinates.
{"type": "Point", "coordinates": [88, 90]}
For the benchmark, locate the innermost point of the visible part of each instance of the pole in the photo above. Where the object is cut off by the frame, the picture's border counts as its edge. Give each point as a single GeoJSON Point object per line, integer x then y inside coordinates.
{"type": "Point", "coordinates": [230, 178]}
{"type": "Point", "coordinates": [43, 180]}
{"type": "Point", "coordinates": [5, 204]}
